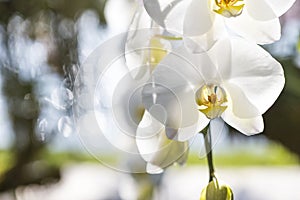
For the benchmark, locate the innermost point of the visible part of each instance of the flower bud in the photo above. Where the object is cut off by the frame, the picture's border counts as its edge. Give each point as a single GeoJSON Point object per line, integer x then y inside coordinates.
{"type": "Point", "coordinates": [216, 191]}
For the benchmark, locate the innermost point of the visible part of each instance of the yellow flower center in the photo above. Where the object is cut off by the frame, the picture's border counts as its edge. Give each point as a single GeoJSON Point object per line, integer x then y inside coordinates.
{"type": "Point", "coordinates": [211, 100]}
{"type": "Point", "coordinates": [229, 8]}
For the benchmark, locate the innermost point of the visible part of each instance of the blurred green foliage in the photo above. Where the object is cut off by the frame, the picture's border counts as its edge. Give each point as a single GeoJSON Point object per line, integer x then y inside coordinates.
{"type": "Point", "coordinates": [273, 155]}
{"type": "Point", "coordinates": [59, 159]}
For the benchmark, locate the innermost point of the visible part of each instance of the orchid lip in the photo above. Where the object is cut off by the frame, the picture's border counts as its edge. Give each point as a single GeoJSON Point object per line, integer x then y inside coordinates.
{"type": "Point", "coordinates": [229, 8]}
{"type": "Point", "coordinates": [211, 100]}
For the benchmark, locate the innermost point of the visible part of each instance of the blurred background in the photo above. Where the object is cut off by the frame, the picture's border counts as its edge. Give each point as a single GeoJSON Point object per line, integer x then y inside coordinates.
{"type": "Point", "coordinates": [42, 46]}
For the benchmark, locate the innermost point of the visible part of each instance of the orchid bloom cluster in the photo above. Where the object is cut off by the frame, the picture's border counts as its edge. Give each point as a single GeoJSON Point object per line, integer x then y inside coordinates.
{"type": "Point", "coordinates": [193, 61]}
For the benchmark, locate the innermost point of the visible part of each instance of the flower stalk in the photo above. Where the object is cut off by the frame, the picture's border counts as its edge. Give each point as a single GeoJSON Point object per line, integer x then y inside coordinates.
{"type": "Point", "coordinates": [215, 190]}
{"type": "Point", "coordinates": [209, 153]}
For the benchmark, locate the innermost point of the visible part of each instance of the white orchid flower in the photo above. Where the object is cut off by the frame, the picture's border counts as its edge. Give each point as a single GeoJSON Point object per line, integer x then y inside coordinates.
{"type": "Point", "coordinates": [206, 21]}
{"type": "Point", "coordinates": [150, 135]}
{"type": "Point", "coordinates": [108, 109]}
{"type": "Point", "coordinates": [155, 148]}
{"type": "Point", "coordinates": [130, 113]}
{"type": "Point", "coordinates": [145, 44]}
{"type": "Point", "coordinates": [236, 80]}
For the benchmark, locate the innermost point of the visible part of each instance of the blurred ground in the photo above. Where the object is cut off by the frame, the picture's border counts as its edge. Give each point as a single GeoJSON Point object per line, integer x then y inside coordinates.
{"type": "Point", "coordinates": [95, 182]}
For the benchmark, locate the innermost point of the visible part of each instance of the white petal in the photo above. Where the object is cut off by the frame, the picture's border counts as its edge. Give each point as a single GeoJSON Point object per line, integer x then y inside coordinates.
{"type": "Point", "coordinates": [203, 42]}
{"type": "Point", "coordinates": [158, 10]}
{"type": "Point", "coordinates": [257, 73]}
{"type": "Point", "coordinates": [260, 32]}
{"type": "Point", "coordinates": [174, 21]}
{"type": "Point", "coordinates": [153, 169]}
{"type": "Point", "coordinates": [169, 152]}
{"type": "Point", "coordinates": [241, 106]}
{"type": "Point", "coordinates": [220, 55]}
{"type": "Point", "coordinates": [198, 19]}
{"type": "Point", "coordinates": [135, 63]}
{"type": "Point", "coordinates": [280, 7]}
{"type": "Point", "coordinates": [127, 105]}
{"type": "Point", "coordinates": [137, 41]}
{"type": "Point", "coordinates": [174, 107]}
{"type": "Point", "coordinates": [147, 136]}
{"type": "Point", "coordinates": [142, 60]}
{"type": "Point", "coordinates": [155, 147]}
{"type": "Point", "coordinates": [186, 133]}
{"type": "Point", "coordinates": [205, 67]}
{"type": "Point", "coordinates": [154, 10]}
{"type": "Point", "coordinates": [267, 9]}
{"type": "Point", "coordinates": [171, 88]}
{"type": "Point", "coordinates": [260, 10]}
{"type": "Point", "coordinates": [140, 21]}
{"type": "Point", "coordinates": [193, 68]}
{"type": "Point", "coordinates": [248, 126]}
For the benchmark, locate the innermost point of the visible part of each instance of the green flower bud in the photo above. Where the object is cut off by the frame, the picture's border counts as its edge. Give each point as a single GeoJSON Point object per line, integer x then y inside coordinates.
{"type": "Point", "coordinates": [216, 191]}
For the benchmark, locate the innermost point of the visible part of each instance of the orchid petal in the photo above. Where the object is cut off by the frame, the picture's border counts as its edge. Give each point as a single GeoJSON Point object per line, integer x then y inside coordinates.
{"type": "Point", "coordinates": [127, 103]}
{"type": "Point", "coordinates": [203, 42]}
{"type": "Point", "coordinates": [158, 10]}
{"type": "Point", "coordinates": [280, 7]}
{"type": "Point", "coordinates": [153, 169]}
{"type": "Point", "coordinates": [137, 41]}
{"type": "Point", "coordinates": [220, 56]}
{"type": "Point", "coordinates": [172, 86]}
{"type": "Point", "coordinates": [186, 133]}
{"type": "Point", "coordinates": [154, 146]}
{"type": "Point", "coordinates": [241, 106]}
{"type": "Point", "coordinates": [267, 9]}
{"type": "Point", "coordinates": [174, 107]}
{"type": "Point", "coordinates": [260, 32]}
{"type": "Point", "coordinates": [169, 152]}
{"type": "Point", "coordinates": [247, 126]}
{"type": "Point", "coordinates": [174, 21]}
{"type": "Point", "coordinates": [154, 10]}
{"type": "Point", "coordinates": [194, 68]}
{"type": "Point", "coordinates": [199, 12]}
{"type": "Point", "coordinates": [147, 136]}
{"type": "Point", "coordinates": [256, 73]}
{"type": "Point", "coordinates": [135, 37]}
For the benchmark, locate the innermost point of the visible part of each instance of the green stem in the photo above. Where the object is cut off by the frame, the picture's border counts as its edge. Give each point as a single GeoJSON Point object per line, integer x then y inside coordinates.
{"type": "Point", "coordinates": [209, 155]}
